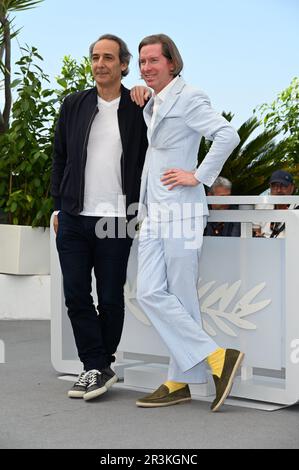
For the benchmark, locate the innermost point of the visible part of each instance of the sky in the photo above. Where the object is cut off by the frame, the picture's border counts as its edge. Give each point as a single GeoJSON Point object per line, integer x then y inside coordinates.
{"type": "Point", "coordinates": [242, 53]}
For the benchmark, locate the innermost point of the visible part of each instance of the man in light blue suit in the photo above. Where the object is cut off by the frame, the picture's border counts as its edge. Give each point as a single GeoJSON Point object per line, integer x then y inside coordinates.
{"type": "Point", "coordinates": [174, 209]}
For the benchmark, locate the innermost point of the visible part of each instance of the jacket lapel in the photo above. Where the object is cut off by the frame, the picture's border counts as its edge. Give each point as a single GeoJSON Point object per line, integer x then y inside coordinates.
{"type": "Point", "coordinates": [148, 111]}
{"type": "Point", "coordinates": [169, 102]}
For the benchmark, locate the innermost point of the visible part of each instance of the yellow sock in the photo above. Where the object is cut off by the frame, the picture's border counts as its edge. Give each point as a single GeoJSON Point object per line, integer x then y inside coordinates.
{"type": "Point", "coordinates": [174, 386]}
{"type": "Point", "coordinates": [216, 361]}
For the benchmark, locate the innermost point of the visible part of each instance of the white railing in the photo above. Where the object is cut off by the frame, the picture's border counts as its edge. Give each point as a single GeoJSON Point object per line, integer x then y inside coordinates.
{"type": "Point", "coordinates": [256, 309]}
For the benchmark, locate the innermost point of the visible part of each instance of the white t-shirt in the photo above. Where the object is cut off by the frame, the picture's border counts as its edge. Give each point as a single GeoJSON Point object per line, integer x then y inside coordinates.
{"type": "Point", "coordinates": [103, 195]}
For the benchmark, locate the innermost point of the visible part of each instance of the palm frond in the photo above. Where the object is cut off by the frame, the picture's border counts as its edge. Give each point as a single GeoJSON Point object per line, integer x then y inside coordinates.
{"type": "Point", "coordinates": [7, 6]}
{"type": "Point", "coordinates": [254, 159]}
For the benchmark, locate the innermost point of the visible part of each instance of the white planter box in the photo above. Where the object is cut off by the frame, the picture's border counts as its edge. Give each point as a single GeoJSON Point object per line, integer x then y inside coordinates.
{"type": "Point", "coordinates": [24, 250]}
{"type": "Point", "coordinates": [24, 298]}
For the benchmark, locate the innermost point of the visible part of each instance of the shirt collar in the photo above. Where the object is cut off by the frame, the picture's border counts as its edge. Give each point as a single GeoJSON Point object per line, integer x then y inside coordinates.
{"type": "Point", "coordinates": [164, 92]}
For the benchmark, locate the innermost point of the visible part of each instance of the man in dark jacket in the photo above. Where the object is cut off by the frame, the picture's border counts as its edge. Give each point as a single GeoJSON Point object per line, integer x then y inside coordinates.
{"type": "Point", "coordinates": [99, 150]}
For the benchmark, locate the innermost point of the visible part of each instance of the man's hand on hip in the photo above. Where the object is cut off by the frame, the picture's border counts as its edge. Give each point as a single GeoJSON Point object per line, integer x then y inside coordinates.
{"type": "Point", "coordinates": [176, 177]}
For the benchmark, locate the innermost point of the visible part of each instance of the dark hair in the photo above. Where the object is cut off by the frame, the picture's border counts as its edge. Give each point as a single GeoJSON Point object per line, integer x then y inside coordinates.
{"type": "Point", "coordinates": [124, 53]}
{"type": "Point", "coordinates": [169, 50]}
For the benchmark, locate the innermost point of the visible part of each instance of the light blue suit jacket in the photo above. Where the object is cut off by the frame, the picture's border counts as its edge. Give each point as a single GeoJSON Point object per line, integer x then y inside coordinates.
{"type": "Point", "coordinates": [182, 119]}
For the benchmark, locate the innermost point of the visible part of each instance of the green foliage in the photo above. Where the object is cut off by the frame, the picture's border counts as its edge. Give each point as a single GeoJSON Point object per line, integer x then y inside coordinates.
{"type": "Point", "coordinates": [283, 115]}
{"type": "Point", "coordinates": [17, 5]}
{"type": "Point", "coordinates": [26, 148]}
{"type": "Point", "coordinates": [253, 160]}
{"type": "Point", "coordinates": [6, 35]}
{"type": "Point", "coordinates": [74, 77]}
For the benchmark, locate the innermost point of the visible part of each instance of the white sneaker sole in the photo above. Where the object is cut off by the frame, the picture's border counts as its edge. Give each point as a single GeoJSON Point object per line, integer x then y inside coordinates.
{"type": "Point", "coordinates": [75, 394]}
{"type": "Point", "coordinates": [100, 391]}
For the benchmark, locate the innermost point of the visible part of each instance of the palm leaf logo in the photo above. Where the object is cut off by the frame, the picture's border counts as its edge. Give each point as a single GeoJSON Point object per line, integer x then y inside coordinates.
{"type": "Point", "coordinates": [224, 295]}
{"type": "Point", "coordinates": [214, 306]}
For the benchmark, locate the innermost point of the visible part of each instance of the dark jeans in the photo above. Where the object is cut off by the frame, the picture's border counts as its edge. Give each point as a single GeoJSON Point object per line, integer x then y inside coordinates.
{"type": "Point", "coordinates": [97, 334]}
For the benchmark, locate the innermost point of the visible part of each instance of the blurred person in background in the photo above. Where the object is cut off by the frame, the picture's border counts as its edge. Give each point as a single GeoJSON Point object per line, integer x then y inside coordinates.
{"type": "Point", "coordinates": [222, 187]}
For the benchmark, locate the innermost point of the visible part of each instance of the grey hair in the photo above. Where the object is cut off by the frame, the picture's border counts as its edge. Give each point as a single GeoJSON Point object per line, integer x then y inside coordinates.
{"type": "Point", "coordinates": [169, 50]}
{"type": "Point", "coordinates": [124, 53]}
{"type": "Point", "coordinates": [220, 181]}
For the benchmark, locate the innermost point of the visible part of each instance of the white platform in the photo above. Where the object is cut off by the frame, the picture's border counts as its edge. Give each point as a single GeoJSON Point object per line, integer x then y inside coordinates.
{"type": "Point", "coordinates": [119, 367]}
{"type": "Point", "coordinates": [249, 302]}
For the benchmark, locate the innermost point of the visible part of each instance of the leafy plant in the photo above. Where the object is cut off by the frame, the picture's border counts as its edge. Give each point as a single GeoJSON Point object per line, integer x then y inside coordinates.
{"type": "Point", "coordinates": [26, 148]}
{"type": "Point", "coordinates": [283, 115]}
{"type": "Point", "coordinates": [74, 76]}
{"type": "Point", "coordinates": [6, 35]}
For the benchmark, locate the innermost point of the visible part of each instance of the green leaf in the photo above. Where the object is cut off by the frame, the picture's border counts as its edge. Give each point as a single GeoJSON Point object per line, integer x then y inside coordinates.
{"type": "Point", "coordinates": [13, 207]}
{"type": "Point", "coordinates": [15, 83]}
{"type": "Point", "coordinates": [21, 143]}
{"type": "Point", "coordinates": [25, 105]}
{"type": "Point", "coordinates": [62, 82]}
{"type": "Point", "coordinates": [46, 93]}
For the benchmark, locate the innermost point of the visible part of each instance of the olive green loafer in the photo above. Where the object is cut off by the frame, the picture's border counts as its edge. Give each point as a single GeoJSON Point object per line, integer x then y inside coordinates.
{"type": "Point", "coordinates": [162, 397]}
{"type": "Point", "coordinates": [232, 361]}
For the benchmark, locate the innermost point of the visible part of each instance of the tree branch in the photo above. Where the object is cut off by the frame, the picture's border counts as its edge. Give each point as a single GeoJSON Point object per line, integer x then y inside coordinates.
{"type": "Point", "coordinates": [2, 126]}
{"type": "Point", "coordinates": [1, 51]}
{"type": "Point", "coordinates": [7, 74]}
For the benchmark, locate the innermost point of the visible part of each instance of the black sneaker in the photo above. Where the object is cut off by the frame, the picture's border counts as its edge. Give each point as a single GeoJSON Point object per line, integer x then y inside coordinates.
{"type": "Point", "coordinates": [99, 382]}
{"type": "Point", "coordinates": [79, 387]}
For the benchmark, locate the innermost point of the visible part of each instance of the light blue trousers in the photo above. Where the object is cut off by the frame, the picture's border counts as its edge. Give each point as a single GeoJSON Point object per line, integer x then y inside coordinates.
{"type": "Point", "coordinates": [168, 271]}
